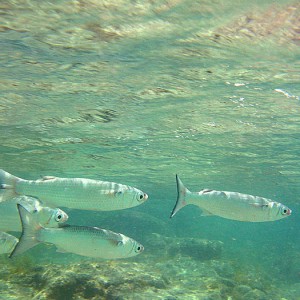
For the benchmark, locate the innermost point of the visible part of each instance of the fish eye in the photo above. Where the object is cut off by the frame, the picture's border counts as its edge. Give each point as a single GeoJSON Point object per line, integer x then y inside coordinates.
{"type": "Point", "coordinates": [284, 211]}
{"type": "Point", "coordinates": [141, 196]}
{"type": "Point", "coordinates": [139, 249]}
{"type": "Point", "coordinates": [58, 217]}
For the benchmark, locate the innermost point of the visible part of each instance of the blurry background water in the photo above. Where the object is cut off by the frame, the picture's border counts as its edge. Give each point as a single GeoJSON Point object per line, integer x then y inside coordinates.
{"type": "Point", "coordinates": [137, 91]}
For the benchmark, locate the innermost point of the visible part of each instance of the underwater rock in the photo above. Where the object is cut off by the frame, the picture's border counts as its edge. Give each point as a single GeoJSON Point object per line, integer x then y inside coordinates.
{"type": "Point", "coordinates": [292, 291]}
{"type": "Point", "coordinates": [241, 290]}
{"type": "Point", "coordinates": [291, 269]}
{"type": "Point", "coordinates": [227, 282]}
{"type": "Point", "coordinates": [104, 280]}
{"type": "Point", "coordinates": [199, 249]}
{"type": "Point", "coordinates": [70, 284]}
{"type": "Point", "coordinates": [180, 277]}
{"type": "Point", "coordinates": [224, 269]}
{"type": "Point", "coordinates": [255, 295]}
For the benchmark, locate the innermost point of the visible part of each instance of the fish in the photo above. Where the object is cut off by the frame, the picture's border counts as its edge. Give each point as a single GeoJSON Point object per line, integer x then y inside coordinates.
{"type": "Point", "coordinates": [82, 240]}
{"type": "Point", "coordinates": [230, 205]}
{"type": "Point", "coordinates": [46, 216]}
{"type": "Point", "coordinates": [7, 242]}
{"type": "Point", "coordinates": [76, 193]}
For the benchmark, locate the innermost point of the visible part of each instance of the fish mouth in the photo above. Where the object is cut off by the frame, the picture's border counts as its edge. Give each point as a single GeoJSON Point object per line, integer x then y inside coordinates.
{"type": "Point", "coordinates": [289, 212]}
{"type": "Point", "coordinates": [145, 196]}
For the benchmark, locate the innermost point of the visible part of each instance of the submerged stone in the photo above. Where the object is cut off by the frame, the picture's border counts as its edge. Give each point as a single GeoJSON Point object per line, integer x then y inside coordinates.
{"type": "Point", "coordinates": [255, 295]}
{"type": "Point", "coordinates": [241, 290]}
{"type": "Point", "coordinates": [199, 249]}
{"type": "Point", "coordinates": [176, 277]}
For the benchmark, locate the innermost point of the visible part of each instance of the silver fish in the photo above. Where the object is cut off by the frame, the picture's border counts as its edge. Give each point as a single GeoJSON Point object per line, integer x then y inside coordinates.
{"type": "Point", "coordinates": [46, 216]}
{"type": "Point", "coordinates": [78, 193]}
{"type": "Point", "coordinates": [7, 242]}
{"type": "Point", "coordinates": [230, 205]}
{"type": "Point", "coordinates": [87, 241]}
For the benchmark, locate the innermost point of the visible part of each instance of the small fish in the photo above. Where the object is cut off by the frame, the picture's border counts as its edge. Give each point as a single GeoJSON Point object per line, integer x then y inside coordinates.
{"type": "Point", "coordinates": [87, 241]}
{"type": "Point", "coordinates": [77, 193]}
{"type": "Point", "coordinates": [230, 205]}
{"type": "Point", "coordinates": [46, 216]}
{"type": "Point", "coordinates": [7, 242]}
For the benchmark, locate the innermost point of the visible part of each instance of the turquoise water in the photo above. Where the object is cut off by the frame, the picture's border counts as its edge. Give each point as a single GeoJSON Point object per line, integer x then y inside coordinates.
{"type": "Point", "coordinates": [136, 92]}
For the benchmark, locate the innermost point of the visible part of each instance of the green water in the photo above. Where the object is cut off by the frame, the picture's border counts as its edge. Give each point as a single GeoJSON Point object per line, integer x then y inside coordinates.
{"type": "Point", "coordinates": [137, 91]}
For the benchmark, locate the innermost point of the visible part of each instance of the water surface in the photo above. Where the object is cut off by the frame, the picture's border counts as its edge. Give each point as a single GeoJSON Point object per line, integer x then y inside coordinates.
{"type": "Point", "coordinates": [138, 91]}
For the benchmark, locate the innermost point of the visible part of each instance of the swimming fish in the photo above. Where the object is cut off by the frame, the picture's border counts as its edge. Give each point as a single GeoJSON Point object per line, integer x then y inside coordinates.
{"type": "Point", "coordinates": [78, 193]}
{"type": "Point", "coordinates": [46, 216]}
{"type": "Point", "coordinates": [230, 205]}
{"type": "Point", "coordinates": [7, 242]}
{"type": "Point", "coordinates": [87, 241]}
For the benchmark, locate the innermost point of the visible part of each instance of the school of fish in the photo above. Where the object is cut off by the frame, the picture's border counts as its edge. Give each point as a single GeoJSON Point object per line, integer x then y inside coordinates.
{"type": "Point", "coordinates": [32, 207]}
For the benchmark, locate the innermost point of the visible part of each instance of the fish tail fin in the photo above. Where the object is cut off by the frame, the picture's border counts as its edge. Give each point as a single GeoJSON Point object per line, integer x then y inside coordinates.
{"type": "Point", "coordinates": [7, 186]}
{"type": "Point", "coordinates": [181, 196]}
{"type": "Point", "coordinates": [30, 228]}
